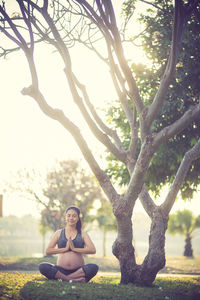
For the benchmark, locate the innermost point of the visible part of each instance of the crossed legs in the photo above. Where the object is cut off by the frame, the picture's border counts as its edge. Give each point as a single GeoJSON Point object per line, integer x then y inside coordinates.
{"type": "Point", "coordinates": [77, 276]}
{"type": "Point", "coordinates": [82, 274]}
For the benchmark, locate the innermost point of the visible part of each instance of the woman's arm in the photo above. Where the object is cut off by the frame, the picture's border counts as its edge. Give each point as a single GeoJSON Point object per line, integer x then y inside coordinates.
{"type": "Point", "coordinates": [89, 246]}
{"type": "Point", "coordinates": [51, 248]}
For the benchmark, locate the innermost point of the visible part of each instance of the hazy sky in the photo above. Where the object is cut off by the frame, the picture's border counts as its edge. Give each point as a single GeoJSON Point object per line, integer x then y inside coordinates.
{"type": "Point", "coordinates": [29, 139]}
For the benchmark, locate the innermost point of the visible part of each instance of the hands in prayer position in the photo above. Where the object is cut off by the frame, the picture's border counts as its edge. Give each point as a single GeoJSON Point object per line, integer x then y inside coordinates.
{"type": "Point", "coordinates": [69, 245]}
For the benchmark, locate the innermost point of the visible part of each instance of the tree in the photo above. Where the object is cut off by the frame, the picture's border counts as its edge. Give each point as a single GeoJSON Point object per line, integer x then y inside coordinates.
{"type": "Point", "coordinates": [106, 220]}
{"type": "Point", "coordinates": [184, 223]}
{"type": "Point", "coordinates": [63, 23]}
{"type": "Point", "coordinates": [43, 229]}
{"type": "Point", "coordinates": [16, 228]}
{"type": "Point", "coordinates": [69, 185]}
{"type": "Point", "coordinates": [184, 91]}
{"type": "Point", "coordinates": [66, 184]}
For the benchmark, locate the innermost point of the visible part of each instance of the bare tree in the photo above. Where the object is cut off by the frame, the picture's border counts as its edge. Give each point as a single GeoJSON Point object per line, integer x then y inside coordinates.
{"type": "Point", "coordinates": [63, 23]}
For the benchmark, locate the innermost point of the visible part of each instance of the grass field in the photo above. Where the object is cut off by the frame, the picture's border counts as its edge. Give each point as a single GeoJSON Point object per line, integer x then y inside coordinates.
{"type": "Point", "coordinates": [34, 286]}
{"type": "Point", "coordinates": [174, 265]}
{"type": "Point", "coordinates": [29, 285]}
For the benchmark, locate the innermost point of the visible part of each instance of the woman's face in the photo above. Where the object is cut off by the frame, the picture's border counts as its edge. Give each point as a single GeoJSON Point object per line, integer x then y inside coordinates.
{"type": "Point", "coordinates": [72, 217]}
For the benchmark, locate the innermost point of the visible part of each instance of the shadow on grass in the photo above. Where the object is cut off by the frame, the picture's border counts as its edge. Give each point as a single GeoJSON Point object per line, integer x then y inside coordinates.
{"type": "Point", "coordinates": [51, 290]}
{"type": "Point", "coordinates": [108, 288]}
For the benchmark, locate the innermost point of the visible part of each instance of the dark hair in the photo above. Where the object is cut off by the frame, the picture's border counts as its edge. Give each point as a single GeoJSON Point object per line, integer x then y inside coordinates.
{"type": "Point", "coordinates": [78, 224]}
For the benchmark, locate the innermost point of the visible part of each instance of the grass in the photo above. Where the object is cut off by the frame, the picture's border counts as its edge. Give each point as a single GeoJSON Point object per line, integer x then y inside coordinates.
{"type": "Point", "coordinates": [34, 286]}
{"type": "Point", "coordinates": [174, 265]}
{"type": "Point", "coordinates": [181, 264]}
{"type": "Point", "coordinates": [107, 264]}
{"type": "Point", "coordinates": [23, 285]}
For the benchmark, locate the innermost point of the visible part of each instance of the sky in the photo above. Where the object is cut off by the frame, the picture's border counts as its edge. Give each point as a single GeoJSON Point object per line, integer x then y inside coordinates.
{"type": "Point", "coordinates": [31, 140]}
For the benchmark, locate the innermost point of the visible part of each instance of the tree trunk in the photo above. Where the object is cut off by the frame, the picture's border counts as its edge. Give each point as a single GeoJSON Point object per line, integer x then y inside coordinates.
{"type": "Point", "coordinates": [104, 241]}
{"type": "Point", "coordinates": [123, 249]}
{"type": "Point", "coordinates": [43, 243]}
{"type": "Point", "coordinates": [188, 252]}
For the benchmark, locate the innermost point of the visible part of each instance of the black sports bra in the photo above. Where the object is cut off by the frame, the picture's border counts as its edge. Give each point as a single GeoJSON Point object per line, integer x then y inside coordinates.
{"type": "Point", "coordinates": [77, 241]}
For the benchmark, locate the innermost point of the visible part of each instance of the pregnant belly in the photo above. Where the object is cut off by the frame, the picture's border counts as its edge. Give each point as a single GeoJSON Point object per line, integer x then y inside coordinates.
{"type": "Point", "coordinates": [70, 260]}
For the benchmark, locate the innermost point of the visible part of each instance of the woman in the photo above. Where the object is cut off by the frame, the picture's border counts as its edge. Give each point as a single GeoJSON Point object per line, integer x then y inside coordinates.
{"type": "Point", "coordinates": [71, 243]}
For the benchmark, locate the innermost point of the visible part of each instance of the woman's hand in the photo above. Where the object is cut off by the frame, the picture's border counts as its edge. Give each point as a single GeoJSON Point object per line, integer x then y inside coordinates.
{"type": "Point", "coordinates": [71, 244]}
{"type": "Point", "coordinates": [67, 248]}
{"type": "Point", "coordinates": [89, 247]}
{"type": "Point", "coordinates": [51, 248]}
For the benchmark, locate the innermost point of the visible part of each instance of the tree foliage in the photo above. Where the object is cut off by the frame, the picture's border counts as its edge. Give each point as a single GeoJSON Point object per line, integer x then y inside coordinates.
{"type": "Point", "coordinates": [183, 93]}
{"type": "Point", "coordinates": [18, 227]}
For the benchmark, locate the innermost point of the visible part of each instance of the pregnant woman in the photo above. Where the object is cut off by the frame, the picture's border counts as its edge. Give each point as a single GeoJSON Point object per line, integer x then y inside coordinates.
{"type": "Point", "coordinates": [71, 244]}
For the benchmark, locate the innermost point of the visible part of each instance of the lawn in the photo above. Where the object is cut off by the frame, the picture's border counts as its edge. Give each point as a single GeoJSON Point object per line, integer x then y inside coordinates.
{"type": "Point", "coordinates": [22, 285]}
{"type": "Point", "coordinates": [34, 286]}
{"type": "Point", "coordinates": [174, 265]}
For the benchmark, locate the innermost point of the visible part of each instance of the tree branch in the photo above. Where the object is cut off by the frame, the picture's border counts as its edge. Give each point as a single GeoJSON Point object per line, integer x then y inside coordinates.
{"type": "Point", "coordinates": [111, 34]}
{"type": "Point", "coordinates": [122, 94]}
{"type": "Point", "coordinates": [27, 21]}
{"type": "Point", "coordinates": [152, 4]}
{"type": "Point", "coordinates": [192, 7]}
{"type": "Point", "coordinates": [20, 40]}
{"type": "Point", "coordinates": [121, 155]}
{"type": "Point", "coordinates": [134, 135]}
{"type": "Point", "coordinates": [138, 175]}
{"type": "Point", "coordinates": [147, 201]}
{"type": "Point", "coordinates": [12, 38]}
{"type": "Point", "coordinates": [58, 115]}
{"type": "Point", "coordinates": [178, 126]}
{"type": "Point", "coordinates": [107, 130]}
{"type": "Point", "coordinates": [190, 156]}
{"type": "Point", "coordinates": [154, 108]}
{"type": "Point", "coordinates": [133, 90]}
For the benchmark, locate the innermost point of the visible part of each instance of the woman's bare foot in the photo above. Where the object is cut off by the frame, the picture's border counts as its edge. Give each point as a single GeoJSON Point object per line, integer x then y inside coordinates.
{"type": "Point", "coordinates": [81, 279]}
{"type": "Point", "coordinates": [77, 276]}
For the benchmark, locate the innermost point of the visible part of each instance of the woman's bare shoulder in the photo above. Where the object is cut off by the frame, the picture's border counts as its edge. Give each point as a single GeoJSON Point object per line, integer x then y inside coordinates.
{"type": "Point", "coordinates": [84, 234]}
{"type": "Point", "coordinates": [57, 233]}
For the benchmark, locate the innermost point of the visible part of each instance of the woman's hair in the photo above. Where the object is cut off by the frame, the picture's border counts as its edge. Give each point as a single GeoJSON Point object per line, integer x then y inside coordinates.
{"type": "Point", "coordinates": [78, 224]}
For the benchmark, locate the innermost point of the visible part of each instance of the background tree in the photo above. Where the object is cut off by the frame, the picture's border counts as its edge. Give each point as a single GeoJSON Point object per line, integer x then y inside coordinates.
{"type": "Point", "coordinates": [43, 229]}
{"type": "Point", "coordinates": [19, 236]}
{"type": "Point", "coordinates": [184, 223]}
{"type": "Point", "coordinates": [63, 23]}
{"type": "Point", "coordinates": [64, 185]}
{"type": "Point", "coordinates": [68, 184]}
{"type": "Point", "coordinates": [106, 221]}
{"type": "Point", "coordinates": [16, 227]}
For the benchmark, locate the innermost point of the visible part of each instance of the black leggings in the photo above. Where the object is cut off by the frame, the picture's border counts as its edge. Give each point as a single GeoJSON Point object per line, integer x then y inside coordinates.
{"type": "Point", "coordinates": [50, 270]}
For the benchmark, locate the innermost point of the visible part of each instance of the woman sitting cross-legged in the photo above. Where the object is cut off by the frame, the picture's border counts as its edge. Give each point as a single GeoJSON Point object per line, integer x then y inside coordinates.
{"type": "Point", "coordinates": [71, 243]}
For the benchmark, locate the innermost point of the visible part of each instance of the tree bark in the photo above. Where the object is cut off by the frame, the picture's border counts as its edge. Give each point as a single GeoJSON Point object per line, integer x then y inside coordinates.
{"type": "Point", "coordinates": [43, 243]}
{"type": "Point", "coordinates": [155, 259]}
{"type": "Point", "coordinates": [104, 241]}
{"type": "Point", "coordinates": [123, 249]}
{"type": "Point", "coordinates": [188, 251]}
